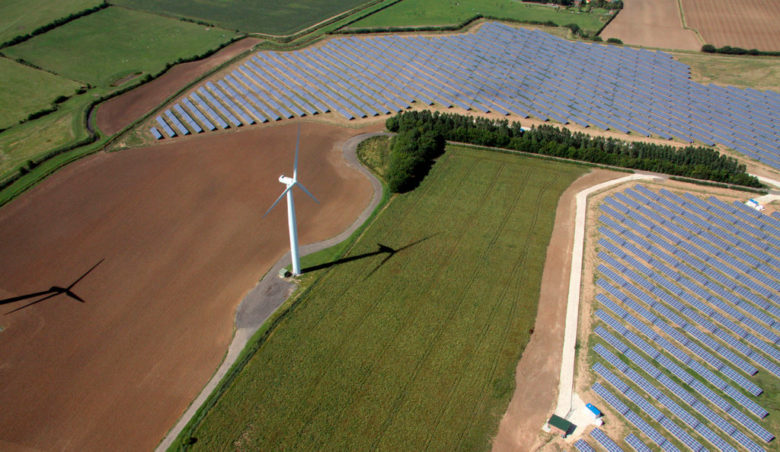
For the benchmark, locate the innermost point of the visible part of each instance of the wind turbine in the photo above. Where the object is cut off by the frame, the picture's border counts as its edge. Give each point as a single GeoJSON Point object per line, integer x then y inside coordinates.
{"type": "Point", "coordinates": [290, 183]}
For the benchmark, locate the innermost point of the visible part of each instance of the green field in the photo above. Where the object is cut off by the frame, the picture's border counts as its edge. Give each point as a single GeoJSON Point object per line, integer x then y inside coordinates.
{"type": "Point", "coordinates": [415, 350]}
{"type": "Point", "coordinates": [20, 17]}
{"type": "Point", "coordinates": [413, 13]}
{"type": "Point", "coordinates": [33, 90]}
{"type": "Point", "coordinates": [104, 46]}
{"type": "Point", "coordinates": [255, 16]}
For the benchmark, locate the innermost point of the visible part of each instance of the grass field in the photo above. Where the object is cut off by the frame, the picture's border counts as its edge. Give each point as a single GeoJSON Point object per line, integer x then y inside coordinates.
{"type": "Point", "coordinates": [31, 139]}
{"type": "Point", "coordinates": [256, 16]}
{"type": "Point", "coordinates": [410, 13]}
{"type": "Point", "coordinates": [742, 71]}
{"type": "Point", "coordinates": [414, 350]}
{"type": "Point", "coordinates": [23, 16]}
{"type": "Point", "coordinates": [33, 90]}
{"type": "Point", "coordinates": [112, 43]}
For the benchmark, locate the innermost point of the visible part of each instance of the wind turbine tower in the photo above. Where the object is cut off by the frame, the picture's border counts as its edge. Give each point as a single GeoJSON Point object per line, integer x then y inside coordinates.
{"type": "Point", "coordinates": [289, 183]}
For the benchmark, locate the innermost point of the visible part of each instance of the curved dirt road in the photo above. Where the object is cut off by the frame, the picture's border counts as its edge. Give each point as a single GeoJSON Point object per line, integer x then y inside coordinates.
{"type": "Point", "coordinates": [272, 291]}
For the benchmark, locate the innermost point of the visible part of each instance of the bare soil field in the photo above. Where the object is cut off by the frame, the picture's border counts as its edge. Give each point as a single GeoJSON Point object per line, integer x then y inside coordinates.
{"type": "Point", "coordinates": [178, 231]}
{"type": "Point", "coordinates": [536, 378]}
{"type": "Point", "coordinates": [750, 24]}
{"type": "Point", "coordinates": [120, 111]}
{"type": "Point", "coordinates": [652, 23]}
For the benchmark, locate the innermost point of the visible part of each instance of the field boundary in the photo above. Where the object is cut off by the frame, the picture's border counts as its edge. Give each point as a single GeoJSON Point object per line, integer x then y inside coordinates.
{"type": "Point", "coordinates": [94, 134]}
{"type": "Point", "coordinates": [684, 22]}
{"type": "Point", "coordinates": [18, 39]}
{"type": "Point", "coordinates": [566, 379]}
{"type": "Point", "coordinates": [267, 304]}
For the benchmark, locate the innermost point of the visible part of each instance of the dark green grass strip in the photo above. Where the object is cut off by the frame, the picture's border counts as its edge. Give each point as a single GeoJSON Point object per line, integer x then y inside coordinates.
{"type": "Point", "coordinates": [416, 350]}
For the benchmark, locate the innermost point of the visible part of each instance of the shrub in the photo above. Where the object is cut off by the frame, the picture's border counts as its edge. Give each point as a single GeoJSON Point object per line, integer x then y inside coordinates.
{"type": "Point", "coordinates": [614, 41]}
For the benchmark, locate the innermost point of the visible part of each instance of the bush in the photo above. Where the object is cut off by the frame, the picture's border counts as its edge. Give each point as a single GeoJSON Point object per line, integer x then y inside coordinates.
{"type": "Point", "coordinates": [614, 41]}
{"type": "Point", "coordinates": [411, 155]}
{"type": "Point", "coordinates": [708, 48]}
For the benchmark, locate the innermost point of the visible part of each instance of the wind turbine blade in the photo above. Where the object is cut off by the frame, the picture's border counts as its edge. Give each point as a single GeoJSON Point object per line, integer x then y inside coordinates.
{"type": "Point", "coordinates": [306, 190]}
{"type": "Point", "coordinates": [277, 200]}
{"type": "Point", "coordinates": [295, 164]}
{"type": "Point", "coordinates": [85, 274]}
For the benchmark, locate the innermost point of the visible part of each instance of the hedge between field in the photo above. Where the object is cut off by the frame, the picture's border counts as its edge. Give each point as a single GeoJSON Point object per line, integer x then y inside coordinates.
{"type": "Point", "coordinates": [695, 162]}
{"type": "Point", "coordinates": [52, 25]}
{"type": "Point", "coordinates": [93, 137]}
{"type": "Point", "coordinates": [728, 50]}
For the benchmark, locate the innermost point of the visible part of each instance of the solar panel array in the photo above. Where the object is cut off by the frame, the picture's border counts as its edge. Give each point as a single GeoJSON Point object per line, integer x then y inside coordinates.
{"type": "Point", "coordinates": [504, 70]}
{"type": "Point", "coordinates": [688, 291]}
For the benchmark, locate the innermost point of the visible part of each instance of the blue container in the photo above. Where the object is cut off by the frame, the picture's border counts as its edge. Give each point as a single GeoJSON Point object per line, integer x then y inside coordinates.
{"type": "Point", "coordinates": [593, 409]}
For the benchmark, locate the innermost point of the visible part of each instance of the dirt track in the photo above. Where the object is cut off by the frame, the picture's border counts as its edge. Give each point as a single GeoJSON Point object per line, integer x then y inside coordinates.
{"type": "Point", "coordinates": [119, 112]}
{"type": "Point", "coordinates": [536, 378]}
{"type": "Point", "coordinates": [651, 23]}
{"type": "Point", "coordinates": [179, 226]}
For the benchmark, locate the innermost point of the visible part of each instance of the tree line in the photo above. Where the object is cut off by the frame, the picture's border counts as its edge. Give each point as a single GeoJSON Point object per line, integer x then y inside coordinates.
{"type": "Point", "coordinates": [696, 162]}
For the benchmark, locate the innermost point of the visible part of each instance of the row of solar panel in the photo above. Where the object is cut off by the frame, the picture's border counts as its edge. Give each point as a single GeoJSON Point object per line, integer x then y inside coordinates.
{"type": "Point", "coordinates": [757, 281]}
{"type": "Point", "coordinates": [483, 73]}
{"type": "Point", "coordinates": [683, 288]}
{"type": "Point", "coordinates": [678, 391]}
{"type": "Point", "coordinates": [683, 395]}
{"type": "Point", "coordinates": [697, 368]}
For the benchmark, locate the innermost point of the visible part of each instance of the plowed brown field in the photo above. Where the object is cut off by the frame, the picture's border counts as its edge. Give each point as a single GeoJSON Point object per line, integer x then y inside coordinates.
{"type": "Point", "coordinates": [750, 24]}
{"type": "Point", "coordinates": [180, 229]}
{"type": "Point", "coordinates": [651, 23]}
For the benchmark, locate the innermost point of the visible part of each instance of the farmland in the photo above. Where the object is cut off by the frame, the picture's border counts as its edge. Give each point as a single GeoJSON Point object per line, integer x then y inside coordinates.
{"type": "Point", "coordinates": [411, 350]}
{"type": "Point", "coordinates": [418, 13]}
{"type": "Point", "coordinates": [255, 16]}
{"type": "Point", "coordinates": [21, 17]}
{"type": "Point", "coordinates": [652, 23]}
{"type": "Point", "coordinates": [33, 90]}
{"type": "Point", "coordinates": [116, 42]}
{"type": "Point", "coordinates": [750, 24]}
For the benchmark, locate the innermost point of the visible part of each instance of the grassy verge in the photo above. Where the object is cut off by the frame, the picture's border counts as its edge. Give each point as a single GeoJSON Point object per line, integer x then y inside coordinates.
{"type": "Point", "coordinates": [422, 13]}
{"type": "Point", "coordinates": [742, 71]}
{"type": "Point", "coordinates": [374, 153]}
{"type": "Point", "coordinates": [410, 350]}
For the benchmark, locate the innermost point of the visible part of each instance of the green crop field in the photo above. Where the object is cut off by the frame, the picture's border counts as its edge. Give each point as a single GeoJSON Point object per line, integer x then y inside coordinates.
{"type": "Point", "coordinates": [412, 13]}
{"type": "Point", "coordinates": [33, 90]}
{"type": "Point", "coordinates": [104, 46]}
{"type": "Point", "coordinates": [414, 350]}
{"type": "Point", "coordinates": [255, 16]}
{"type": "Point", "coordinates": [21, 17]}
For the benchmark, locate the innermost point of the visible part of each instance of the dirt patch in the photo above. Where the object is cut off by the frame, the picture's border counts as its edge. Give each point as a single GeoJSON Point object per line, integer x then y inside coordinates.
{"type": "Point", "coordinates": [181, 230]}
{"type": "Point", "coordinates": [118, 112]}
{"type": "Point", "coordinates": [652, 23]}
{"type": "Point", "coordinates": [125, 79]}
{"type": "Point", "coordinates": [537, 374]}
{"type": "Point", "coordinates": [750, 24]}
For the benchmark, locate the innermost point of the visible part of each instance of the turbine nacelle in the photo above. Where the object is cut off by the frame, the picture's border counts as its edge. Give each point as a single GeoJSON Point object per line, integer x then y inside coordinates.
{"type": "Point", "coordinates": [286, 180]}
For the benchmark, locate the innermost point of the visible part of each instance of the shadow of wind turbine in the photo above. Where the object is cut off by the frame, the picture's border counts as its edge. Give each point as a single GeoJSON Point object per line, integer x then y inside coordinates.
{"type": "Point", "coordinates": [52, 292]}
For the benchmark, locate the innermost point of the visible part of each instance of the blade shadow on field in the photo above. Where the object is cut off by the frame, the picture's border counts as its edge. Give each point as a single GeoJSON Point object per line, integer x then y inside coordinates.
{"type": "Point", "coordinates": [52, 292]}
{"type": "Point", "coordinates": [381, 249]}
